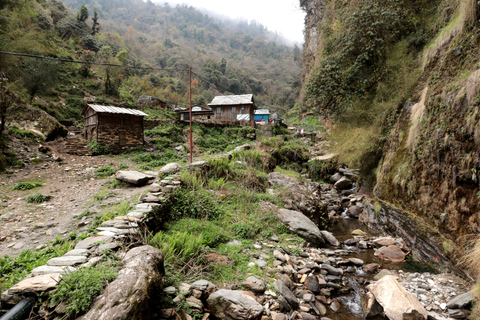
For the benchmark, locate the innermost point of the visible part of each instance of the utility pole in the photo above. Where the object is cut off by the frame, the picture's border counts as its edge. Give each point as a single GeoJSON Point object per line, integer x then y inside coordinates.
{"type": "Point", "coordinates": [190, 104]}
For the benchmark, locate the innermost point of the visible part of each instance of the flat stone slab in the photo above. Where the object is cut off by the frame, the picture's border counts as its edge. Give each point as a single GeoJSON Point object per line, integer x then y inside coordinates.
{"type": "Point", "coordinates": [134, 177]}
{"type": "Point", "coordinates": [119, 231]}
{"type": "Point", "coordinates": [67, 261]}
{"type": "Point", "coordinates": [91, 241]}
{"type": "Point", "coordinates": [146, 206]}
{"type": "Point", "coordinates": [43, 270]}
{"type": "Point", "coordinates": [77, 252]}
{"type": "Point", "coordinates": [36, 284]}
{"type": "Point", "coordinates": [171, 167]}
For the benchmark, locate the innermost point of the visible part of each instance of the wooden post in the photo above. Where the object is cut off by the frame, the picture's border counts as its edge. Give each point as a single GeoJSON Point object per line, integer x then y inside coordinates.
{"type": "Point", "coordinates": [190, 104]}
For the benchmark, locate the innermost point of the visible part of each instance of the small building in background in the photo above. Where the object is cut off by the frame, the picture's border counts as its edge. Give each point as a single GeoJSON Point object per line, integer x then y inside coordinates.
{"type": "Point", "coordinates": [151, 101]}
{"type": "Point", "coordinates": [199, 114]}
{"type": "Point", "coordinates": [117, 128]}
{"type": "Point", "coordinates": [234, 109]}
{"type": "Point", "coordinates": [262, 115]}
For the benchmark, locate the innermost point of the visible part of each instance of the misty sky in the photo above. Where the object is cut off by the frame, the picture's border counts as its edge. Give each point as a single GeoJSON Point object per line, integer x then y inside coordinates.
{"type": "Point", "coordinates": [283, 16]}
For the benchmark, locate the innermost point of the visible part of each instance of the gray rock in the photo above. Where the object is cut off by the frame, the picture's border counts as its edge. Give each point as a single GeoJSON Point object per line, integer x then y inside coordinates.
{"type": "Point", "coordinates": [462, 301]}
{"type": "Point", "coordinates": [170, 290]}
{"type": "Point", "coordinates": [335, 306]}
{"type": "Point", "coordinates": [284, 303]}
{"type": "Point", "coordinates": [261, 263]}
{"type": "Point", "coordinates": [277, 254]}
{"type": "Point", "coordinates": [77, 252]}
{"type": "Point", "coordinates": [286, 293]}
{"type": "Point", "coordinates": [343, 184]}
{"type": "Point", "coordinates": [43, 270]}
{"type": "Point", "coordinates": [337, 176]}
{"type": "Point", "coordinates": [36, 284]}
{"type": "Point", "coordinates": [255, 284]}
{"type": "Point", "coordinates": [171, 167]}
{"type": "Point", "coordinates": [299, 224]}
{"type": "Point", "coordinates": [134, 177]}
{"type": "Point", "coordinates": [385, 241]}
{"type": "Point", "coordinates": [202, 285]}
{"type": "Point", "coordinates": [66, 261]}
{"type": "Point", "coordinates": [356, 261]}
{"type": "Point", "coordinates": [129, 296]}
{"type": "Point", "coordinates": [330, 238]}
{"type": "Point", "coordinates": [392, 253]}
{"type": "Point", "coordinates": [457, 313]}
{"type": "Point", "coordinates": [311, 283]}
{"type": "Point", "coordinates": [234, 242]}
{"type": "Point", "coordinates": [332, 270]}
{"type": "Point", "coordinates": [195, 303]}
{"type": "Point", "coordinates": [234, 305]}
{"type": "Point", "coordinates": [92, 241]}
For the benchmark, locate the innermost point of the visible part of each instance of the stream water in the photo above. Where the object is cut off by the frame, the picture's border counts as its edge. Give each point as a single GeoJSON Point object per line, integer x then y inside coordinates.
{"type": "Point", "coordinates": [351, 306]}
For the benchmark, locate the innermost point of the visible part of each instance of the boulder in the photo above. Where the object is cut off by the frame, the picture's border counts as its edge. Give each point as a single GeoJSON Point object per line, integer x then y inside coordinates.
{"type": "Point", "coordinates": [397, 303]}
{"type": "Point", "coordinates": [392, 253]}
{"type": "Point", "coordinates": [354, 211]}
{"type": "Point", "coordinates": [202, 285]}
{"type": "Point", "coordinates": [385, 241]}
{"type": "Point", "coordinates": [299, 224]}
{"type": "Point", "coordinates": [343, 184]}
{"type": "Point", "coordinates": [330, 238]}
{"type": "Point", "coordinates": [134, 177]}
{"type": "Point", "coordinates": [282, 289]}
{"type": "Point", "coordinates": [462, 301]}
{"type": "Point", "coordinates": [36, 284]}
{"type": "Point", "coordinates": [132, 295]}
{"type": "Point", "coordinates": [234, 305]}
{"type": "Point", "coordinates": [301, 196]}
{"type": "Point", "coordinates": [171, 167]}
{"type": "Point", "coordinates": [254, 284]}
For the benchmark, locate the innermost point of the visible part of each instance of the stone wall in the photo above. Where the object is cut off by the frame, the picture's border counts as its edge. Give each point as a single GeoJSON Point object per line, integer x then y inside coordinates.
{"type": "Point", "coordinates": [113, 137]}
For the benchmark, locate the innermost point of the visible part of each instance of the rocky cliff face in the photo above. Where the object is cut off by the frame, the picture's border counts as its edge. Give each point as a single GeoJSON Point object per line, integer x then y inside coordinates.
{"type": "Point", "coordinates": [431, 157]}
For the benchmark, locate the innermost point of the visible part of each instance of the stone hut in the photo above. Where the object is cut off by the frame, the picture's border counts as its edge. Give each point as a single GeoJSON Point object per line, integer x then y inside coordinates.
{"type": "Point", "coordinates": [235, 109]}
{"type": "Point", "coordinates": [117, 128]}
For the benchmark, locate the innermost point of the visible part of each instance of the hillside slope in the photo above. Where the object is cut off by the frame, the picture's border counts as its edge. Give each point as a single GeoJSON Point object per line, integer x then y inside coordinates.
{"type": "Point", "coordinates": [407, 104]}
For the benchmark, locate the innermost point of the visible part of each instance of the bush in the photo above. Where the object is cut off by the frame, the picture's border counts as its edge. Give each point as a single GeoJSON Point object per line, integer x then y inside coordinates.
{"type": "Point", "coordinates": [78, 289]}
{"type": "Point", "coordinates": [103, 172]}
{"type": "Point", "coordinates": [26, 185]}
{"type": "Point", "coordinates": [211, 232]}
{"type": "Point", "coordinates": [37, 198]}
{"type": "Point", "coordinates": [182, 245]}
{"type": "Point", "coordinates": [97, 148]}
{"type": "Point", "coordinates": [243, 230]}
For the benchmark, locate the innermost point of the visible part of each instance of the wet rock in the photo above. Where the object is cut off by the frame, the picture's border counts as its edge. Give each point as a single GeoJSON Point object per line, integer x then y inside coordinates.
{"type": "Point", "coordinates": [134, 177]}
{"type": "Point", "coordinates": [282, 289]}
{"type": "Point", "coordinates": [330, 238]}
{"type": "Point", "coordinates": [255, 284]}
{"type": "Point", "coordinates": [343, 184]}
{"type": "Point", "coordinates": [371, 268]}
{"type": "Point", "coordinates": [354, 211]}
{"type": "Point", "coordinates": [131, 294]}
{"type": "Point", "coordinates": [356, 261]}
{"type": "Point", "coordinates": [392, 253]}
{"type": "Point", "coordinates": [299, 224]}
{"type": "Point", "coordinates": [234, 305]}
{"type": "Point", "coordinates": [385, 241]}
{"type": "Point", "coordinates": [398, 304]}
{"type": "Point", "coordinates": [332, 270]}
{"type": "Point", "coordinates": [462, 301]}
{"type": "Point", "coordinates": [335, 305]}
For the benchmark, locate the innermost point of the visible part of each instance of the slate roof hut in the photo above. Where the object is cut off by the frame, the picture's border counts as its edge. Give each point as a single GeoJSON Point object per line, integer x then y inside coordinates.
{"type": "Point", "coordinates": [234, 108]}
{"type": "Point", "coordinates": [117, 128]}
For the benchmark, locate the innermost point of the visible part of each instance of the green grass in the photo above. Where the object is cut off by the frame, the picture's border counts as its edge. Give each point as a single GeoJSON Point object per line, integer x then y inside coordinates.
{"type": "Point", "coordinates": [37, 198]}
{"type": "Point", "coordinates": [104, 172]}
{"type": "Point", "coordinates": [26, 185]}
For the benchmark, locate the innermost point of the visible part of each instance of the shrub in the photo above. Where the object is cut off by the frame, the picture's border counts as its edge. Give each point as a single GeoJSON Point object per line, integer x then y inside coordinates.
{"type": "Point", "coordinates": [78, 289]}
{"type": "Point", "coordinates": [105, 171]}
{"type": "Point", "coordinates": [37, 198]}
{"type": "Point", "coordinates": [198, 204]}
{"type": "Point", "coordinates": [211, 232]}
{"type": "Point", "coordinates": [242, 230]}
{"type": "Point", "coordinates": [97, 148]}
{"type": "Point", "coordinates": [26, 185]}
{"type": "Point", "coordinates": [182, 245]}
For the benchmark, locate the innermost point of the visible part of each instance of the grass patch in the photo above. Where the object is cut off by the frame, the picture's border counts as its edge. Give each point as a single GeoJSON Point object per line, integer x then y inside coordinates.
{"type": "Point", "coordinates": [104, 172]}
{"type": "Point", "coordinates": [26, 185]}
{"type": "Point", "coordinates": [37, 198]}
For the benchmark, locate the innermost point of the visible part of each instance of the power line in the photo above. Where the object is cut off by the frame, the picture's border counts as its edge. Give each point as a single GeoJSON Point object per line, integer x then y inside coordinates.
{"type": "Point", "coordinates": [86, 62]}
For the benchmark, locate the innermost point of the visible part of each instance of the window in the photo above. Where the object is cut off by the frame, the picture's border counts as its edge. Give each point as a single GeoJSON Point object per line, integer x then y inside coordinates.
{"type": "Point", "coordinates": [219, 109]}
{"type": "Point", "coordinates": [234, 109]}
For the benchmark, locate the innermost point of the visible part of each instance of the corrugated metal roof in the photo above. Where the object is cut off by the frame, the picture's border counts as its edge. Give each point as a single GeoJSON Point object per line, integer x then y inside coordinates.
{"type": "Point", "coordinates": [232, 100]}
{"type": "Point", "coordinates": [262, 111]}
{"type": "Point", "coordinates": [110, 109]}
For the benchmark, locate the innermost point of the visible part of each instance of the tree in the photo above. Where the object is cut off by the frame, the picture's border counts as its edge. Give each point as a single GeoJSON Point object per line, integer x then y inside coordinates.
{"type": "Point", "coordinates": [39, 74]}
{"type": "Point", "coordinates": [96, 25]}
{"type": "Point", "coordinates": [82, 14]}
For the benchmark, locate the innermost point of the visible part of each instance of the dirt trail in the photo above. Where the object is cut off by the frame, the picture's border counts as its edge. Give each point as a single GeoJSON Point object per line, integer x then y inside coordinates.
{"type": "Point", "coordinates": [73, 187]}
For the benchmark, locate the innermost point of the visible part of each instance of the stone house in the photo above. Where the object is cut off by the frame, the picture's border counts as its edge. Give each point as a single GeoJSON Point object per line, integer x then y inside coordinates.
{"type": "Point", "coordinates": [235, 109]}
{"type": "Point", "coordinates": [151, 101]}
{"type": "Point", "coordinates": [117, 128]}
